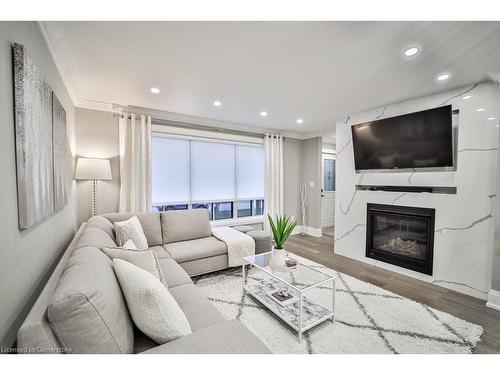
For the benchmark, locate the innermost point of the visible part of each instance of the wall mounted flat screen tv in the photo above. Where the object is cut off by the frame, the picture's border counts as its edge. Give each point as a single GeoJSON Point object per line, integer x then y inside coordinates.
{"type": "Point", "coordinates": [415, 140]}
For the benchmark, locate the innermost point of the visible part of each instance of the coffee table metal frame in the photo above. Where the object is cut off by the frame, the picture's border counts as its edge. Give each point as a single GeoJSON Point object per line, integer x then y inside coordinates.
{"type": "Point", "coordinates": [299, 293]}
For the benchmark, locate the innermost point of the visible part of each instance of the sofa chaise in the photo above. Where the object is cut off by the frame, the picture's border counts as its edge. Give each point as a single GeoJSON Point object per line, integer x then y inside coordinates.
{"type": "Point", "coordinates": [82, 308]}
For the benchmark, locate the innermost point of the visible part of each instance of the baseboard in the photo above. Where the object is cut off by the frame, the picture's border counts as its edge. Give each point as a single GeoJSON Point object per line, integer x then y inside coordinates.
{"type": "Point", "coordinates": [315, 232]}
{"type": "Point", "coordinates": [493, 299]}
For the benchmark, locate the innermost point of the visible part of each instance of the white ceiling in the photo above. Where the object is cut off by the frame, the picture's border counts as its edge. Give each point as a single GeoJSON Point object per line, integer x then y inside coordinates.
{"type": "Point", "coordinates": [318, 71]}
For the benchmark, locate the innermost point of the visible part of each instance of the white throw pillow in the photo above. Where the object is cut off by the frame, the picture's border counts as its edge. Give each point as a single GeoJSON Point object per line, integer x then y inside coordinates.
{"type": "Point", "coordinates": [131, 229]}
{"type": "Point", "coordinates": [129, 245]}
{"type": "Point", "coordinates": [146, 260]}
{"type": "Point", "coordinates": [153, 309]}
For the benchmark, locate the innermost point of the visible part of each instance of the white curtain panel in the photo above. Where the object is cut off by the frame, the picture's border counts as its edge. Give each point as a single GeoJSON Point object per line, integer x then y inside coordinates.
{"type": "Point", "coordinates": [273, 198]}
{"type": "Point", "coordinates": [135, 163]}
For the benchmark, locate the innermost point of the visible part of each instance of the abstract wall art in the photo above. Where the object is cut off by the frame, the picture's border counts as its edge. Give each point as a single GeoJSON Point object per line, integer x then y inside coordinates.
{"type": "Point", "coordinates": [40, 161]}
{"type": "Point", "coordinates": [59, 152]}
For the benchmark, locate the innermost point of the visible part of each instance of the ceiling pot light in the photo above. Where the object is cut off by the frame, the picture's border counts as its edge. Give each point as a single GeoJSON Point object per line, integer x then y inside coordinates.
{"type": "Point", "coordinates": [155, 90]}
{"type": "Point", "coordinates": [480, 109]}
{"type": "Point", "coordinates": [300, 121]}
{"type": "Point", "coordinates": [467, 97]}
{"type": "Point", "coordinates": [412, 51]}
{"type": "Point", "coordinates": [217, 103]}
{"type": "Point", "coordinates": [263, 113]}
{"type": "Point", "coordinates": [443, 77]}
{"type": "Point", "coordinates": [491, 118]}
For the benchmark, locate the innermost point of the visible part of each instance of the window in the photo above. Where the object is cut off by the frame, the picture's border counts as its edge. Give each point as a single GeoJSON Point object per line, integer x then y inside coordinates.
{"type": "Point", "coordinates": [328, 173]}
{"type": "Point", "coordinates": [223, 210]}
{"type": "Point", "coordinates": [171, 207]}
{"type": "Point", "coordinates": [226, 179]}
{"type": "Point", "coordinates": [244, 208]}
{"type": "Point", "coordinates": [212, 171]}
{"type": "Point", "coordinates": [170, 170]}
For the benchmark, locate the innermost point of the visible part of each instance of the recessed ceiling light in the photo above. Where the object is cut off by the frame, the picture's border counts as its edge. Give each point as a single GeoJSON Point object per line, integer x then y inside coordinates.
{"type": "Point", "coordinates": [443, 77]}
{"type": "Point", "coordinates": [217, 103]}
{"type": "Point", "coordinates": [480, 109]}
{"type": "Point", "coordinates": [467, 97]}
{"type": "Point", "coordinates": [491, 118]}
{"type": "Point", "coordinates": [155, 90]}
{"type": "Point", "coordinates": [263, 113]}
{"type": "Point", "coordinates": [412, 51]}
{"type": "Point", "coordinates": [300, 121]}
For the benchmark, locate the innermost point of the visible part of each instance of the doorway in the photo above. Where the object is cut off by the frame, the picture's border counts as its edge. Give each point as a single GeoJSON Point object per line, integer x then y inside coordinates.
{"type": "Point", "coordinates": [328, 193]}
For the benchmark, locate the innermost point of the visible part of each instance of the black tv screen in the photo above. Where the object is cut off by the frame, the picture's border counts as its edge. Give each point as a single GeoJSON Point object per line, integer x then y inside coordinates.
{"type": "Point", "coordinates": [415, 140]}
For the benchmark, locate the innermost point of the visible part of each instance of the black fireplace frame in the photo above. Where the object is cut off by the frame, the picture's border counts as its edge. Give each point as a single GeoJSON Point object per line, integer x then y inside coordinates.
{"type": "Point", "coordinates": [423, 266]}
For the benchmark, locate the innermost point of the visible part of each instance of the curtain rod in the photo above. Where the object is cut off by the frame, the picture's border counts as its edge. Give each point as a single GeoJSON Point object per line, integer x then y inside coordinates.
{"type": "Point", "coordinates": [186, 125]}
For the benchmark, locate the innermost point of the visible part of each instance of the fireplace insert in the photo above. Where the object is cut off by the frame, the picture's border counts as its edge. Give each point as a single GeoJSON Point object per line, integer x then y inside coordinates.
{"type": "Point", "coordinates": [401, 235]}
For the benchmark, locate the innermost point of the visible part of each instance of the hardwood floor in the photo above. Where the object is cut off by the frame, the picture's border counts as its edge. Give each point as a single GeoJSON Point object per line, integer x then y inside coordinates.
{"type": "Point", "coordinates": [460, 305]}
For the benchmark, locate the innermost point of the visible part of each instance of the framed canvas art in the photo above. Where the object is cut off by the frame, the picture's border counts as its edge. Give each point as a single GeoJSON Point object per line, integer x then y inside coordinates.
{"type": "Point", "coordinates": [34, 149]}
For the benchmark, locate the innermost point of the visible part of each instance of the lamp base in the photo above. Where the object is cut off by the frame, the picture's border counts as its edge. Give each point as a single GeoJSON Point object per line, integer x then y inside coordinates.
{"type": "Point", "coordinates": [94, 196]}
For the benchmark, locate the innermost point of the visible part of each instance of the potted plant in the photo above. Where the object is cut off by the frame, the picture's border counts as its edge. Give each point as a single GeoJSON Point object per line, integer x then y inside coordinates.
{"type": "Point", "coordinates": [282, 227]}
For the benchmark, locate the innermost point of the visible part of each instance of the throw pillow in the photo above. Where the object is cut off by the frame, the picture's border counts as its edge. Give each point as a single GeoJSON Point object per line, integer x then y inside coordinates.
{"type": "Point", "coordinates": [129, 245]}
{"type": "Point", "coordinates": [153, 309]}
{"type": "Point", "coordinates": [146, 260]}
{"type": "Point", "coordinates": [131, 229]}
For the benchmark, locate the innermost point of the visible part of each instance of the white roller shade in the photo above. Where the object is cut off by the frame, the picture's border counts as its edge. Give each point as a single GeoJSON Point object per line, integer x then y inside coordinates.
{"type": "Point", "coordinates": [250, 172]}
{"type": "Point", "coordinates": [170, 170]}
{"type": "Point", "coordinates": [212, 171]}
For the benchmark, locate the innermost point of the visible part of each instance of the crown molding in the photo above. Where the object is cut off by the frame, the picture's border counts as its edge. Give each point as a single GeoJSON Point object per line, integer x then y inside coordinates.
{"type": "Point", "coordinates": [56, 43]}
{"type": "Point", "coordinates": [100, 106]}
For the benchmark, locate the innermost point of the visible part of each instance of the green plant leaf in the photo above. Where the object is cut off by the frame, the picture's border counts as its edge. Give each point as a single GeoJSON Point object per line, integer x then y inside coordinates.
{"type": "Point", "coordinates": [282, 227]}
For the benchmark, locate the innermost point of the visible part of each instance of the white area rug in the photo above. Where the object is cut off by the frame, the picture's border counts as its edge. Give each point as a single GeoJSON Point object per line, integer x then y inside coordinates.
{"type": "Point", "coordinates": [369, 319]}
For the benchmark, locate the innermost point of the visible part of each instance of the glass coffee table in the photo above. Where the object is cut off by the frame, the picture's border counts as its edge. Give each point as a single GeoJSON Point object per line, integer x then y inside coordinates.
{"type": "Point", "coordinates": [302, 311]}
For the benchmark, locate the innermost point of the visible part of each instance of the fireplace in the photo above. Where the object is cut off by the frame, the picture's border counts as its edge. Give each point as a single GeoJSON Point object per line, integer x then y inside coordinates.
{"type": "Point", "coordinates": [400, 235]}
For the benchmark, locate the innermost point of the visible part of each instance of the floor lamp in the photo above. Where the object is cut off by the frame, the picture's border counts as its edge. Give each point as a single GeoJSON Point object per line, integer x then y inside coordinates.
{"type": "Point", "coordinates": [93, 170]}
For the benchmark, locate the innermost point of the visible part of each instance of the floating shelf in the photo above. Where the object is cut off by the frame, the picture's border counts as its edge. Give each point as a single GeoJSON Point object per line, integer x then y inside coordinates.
{"type": "Point", "coordinates": [409, 189]}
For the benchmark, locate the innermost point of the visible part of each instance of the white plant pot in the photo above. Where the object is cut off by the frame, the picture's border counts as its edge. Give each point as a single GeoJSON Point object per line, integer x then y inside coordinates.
{"type": "Point", "coordinates": [278, 258]}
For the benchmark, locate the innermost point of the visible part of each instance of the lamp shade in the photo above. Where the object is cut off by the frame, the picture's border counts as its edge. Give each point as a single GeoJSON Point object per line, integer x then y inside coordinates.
{"type": "Point", "coordinates": [93, 169]}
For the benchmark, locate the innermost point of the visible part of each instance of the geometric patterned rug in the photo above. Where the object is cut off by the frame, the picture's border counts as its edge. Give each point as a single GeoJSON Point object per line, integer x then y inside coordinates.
{"type": "Point", "coordinates": [368, 319]}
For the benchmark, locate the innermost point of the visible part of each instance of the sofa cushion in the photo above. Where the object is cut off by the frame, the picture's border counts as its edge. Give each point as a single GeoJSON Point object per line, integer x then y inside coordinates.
{"type": "Point", "coordinates": [102, 223]}
{"type": "Point", "coordinates": [183, 225]}
{"type": "Point", "coordinates": [150, 222]}
{"type": "Point", "coordinates": [154, 310]}
{"type": "Point", "coordinates": [199, 311]}
{"type": "Point", "coordinates": [95, 237]}
{"type": "Point", "coordinates": [228, 337]}
{"type": "Point", "coordinates": [142, 342]}
{"type": "Point", "coordinates": [205, 247]}
{"type": "Point", "coordinates": [87, 311]}
{"type": "Point", "coordinates": [160, 252]}
{"type": "Point", "coordinates": [205, 265]}
{"type": "Point", "coordinates": [173, 273]}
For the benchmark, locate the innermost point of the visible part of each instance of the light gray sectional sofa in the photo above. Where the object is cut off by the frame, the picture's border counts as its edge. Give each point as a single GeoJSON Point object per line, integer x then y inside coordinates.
{"type": "Point", "coordinates": [82, 309]}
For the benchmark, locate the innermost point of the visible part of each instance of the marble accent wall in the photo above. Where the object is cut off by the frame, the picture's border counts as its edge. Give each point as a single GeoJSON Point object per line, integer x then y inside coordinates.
{"type": "Point", "coordinates": [464, 232]}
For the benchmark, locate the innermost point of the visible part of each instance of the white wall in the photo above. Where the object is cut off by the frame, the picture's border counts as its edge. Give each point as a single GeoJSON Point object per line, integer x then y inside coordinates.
{"type": "Point", "coordinates": [97, 137]}
{"type": "Point", "coordinates": [311, 173]}
{"type": "Point", "coordinates": [26, 256]}
{"type": "Point", "coordinates": [463, 244]}
{"type": "Point", "coordinates": [292, 174]}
